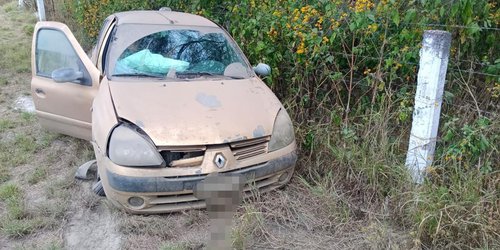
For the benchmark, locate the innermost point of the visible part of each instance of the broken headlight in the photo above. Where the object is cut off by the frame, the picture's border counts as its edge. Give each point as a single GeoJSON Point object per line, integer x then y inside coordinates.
{"type": "Point", "coordinates": [130, 146]}
{"type": "Point", "coordinates": [283, 133]}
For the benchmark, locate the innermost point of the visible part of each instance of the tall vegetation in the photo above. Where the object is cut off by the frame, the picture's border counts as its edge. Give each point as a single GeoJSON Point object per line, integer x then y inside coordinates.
{"type": "Point", "coordinates": [347, 72]}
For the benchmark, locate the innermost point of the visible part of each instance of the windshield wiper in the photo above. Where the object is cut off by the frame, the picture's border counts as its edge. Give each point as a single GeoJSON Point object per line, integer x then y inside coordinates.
{"type": "Point", "coordinates": [204, 73]}
{"type": "Point", "coordinates": [138, 75]}
{"type": "Point", "coordinates": [235, 77]}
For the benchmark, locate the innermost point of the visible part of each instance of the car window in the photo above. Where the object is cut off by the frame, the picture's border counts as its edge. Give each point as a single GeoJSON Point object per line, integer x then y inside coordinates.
{"type": "Point", "coordinates": [53, 52]}
{"type": "Point", "coordinates": [181, 53]}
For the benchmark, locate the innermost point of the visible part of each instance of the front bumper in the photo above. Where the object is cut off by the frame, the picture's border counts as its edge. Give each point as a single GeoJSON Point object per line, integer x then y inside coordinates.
{"type": "Point", "coordinates": [174, 193]}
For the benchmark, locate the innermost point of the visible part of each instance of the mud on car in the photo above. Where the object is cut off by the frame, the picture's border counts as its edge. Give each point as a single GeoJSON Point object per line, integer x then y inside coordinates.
{"type": "Point", "coordinates": [166, 98]}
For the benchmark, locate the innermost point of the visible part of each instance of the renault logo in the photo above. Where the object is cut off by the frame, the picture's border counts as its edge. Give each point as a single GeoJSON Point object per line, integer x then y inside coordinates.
{"type": "Point", "coordinates": [220, 160]}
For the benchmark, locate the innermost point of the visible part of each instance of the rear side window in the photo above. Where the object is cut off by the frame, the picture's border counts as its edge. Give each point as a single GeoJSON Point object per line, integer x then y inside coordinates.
{"type": "Point", "coordinates": [54, 51]}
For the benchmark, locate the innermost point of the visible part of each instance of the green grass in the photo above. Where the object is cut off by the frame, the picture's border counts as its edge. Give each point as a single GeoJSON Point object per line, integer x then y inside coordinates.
{"type": "Point", "coordinates": [3, 81]}
{"type": "Point", "coordinates": [16, 46]}
{"type": "Point", "coordinates": [19, 228]}
{"type": "Point", "coordinates": [37, 175]}
{"type": "Point", "coordinates": [12, 196]}
{"type": "Point", "coordinates": [6, 124]}
{"type": "Point", "coordinates": [28, 117]}
{"type": "Point", "coordinates": [10, 7]}
{"type": "Point", "coordinates": [28, 29]}
{"type": "Point", "coordinates": [17, 221]}
{"type": "Point", "coordinates": [9, 191]}
{"type": "Point", "coordinates": [26, 145]}
{"type": "Point", "coordinates": [47, 138]}
{"type": "Point", "coordinates": [19, 152]}
{"type": "Point", "coordinates": [4, 173]}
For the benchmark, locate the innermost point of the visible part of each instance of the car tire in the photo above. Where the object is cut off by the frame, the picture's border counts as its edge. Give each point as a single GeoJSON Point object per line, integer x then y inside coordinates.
{"type": "Point", "coordinates": [98, 189]}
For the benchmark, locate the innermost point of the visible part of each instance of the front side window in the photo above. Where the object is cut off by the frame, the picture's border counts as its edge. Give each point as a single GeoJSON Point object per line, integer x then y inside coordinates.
{"type": "Point", "coordinates": [55, 52]}
{"type": "Point", "coordinates": [177, 53]}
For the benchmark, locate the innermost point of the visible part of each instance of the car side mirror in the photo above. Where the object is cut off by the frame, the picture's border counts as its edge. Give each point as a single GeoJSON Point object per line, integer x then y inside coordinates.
{"type": "Point", "coordinates": [66, 75]}
{"type": "Point", "coordinates": [262, 69]}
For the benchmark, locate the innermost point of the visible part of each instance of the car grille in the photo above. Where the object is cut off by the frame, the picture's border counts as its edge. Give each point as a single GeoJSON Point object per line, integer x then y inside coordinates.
{"type": "Point", "coordinates": [190, 156]}
{"type": "Point", "coordinates": [249, 148]}
{"type": "Point", "coordinates": [188, 200]}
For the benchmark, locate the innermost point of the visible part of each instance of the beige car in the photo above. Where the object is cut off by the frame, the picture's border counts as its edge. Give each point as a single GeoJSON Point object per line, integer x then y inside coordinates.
{"type": "Point", "coordinates": [166, 99]}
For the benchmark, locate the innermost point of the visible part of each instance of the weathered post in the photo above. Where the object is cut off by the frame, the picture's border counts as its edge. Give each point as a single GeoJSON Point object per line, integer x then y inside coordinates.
{"type": "Point", "coordinates": [428, 98]}
{"type": "Point", "coordinates": [41, 10]}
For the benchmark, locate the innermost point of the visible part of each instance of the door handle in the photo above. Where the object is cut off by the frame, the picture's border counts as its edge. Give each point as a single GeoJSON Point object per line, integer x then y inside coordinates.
{"type": "Point", "coordinates": [39, 91]}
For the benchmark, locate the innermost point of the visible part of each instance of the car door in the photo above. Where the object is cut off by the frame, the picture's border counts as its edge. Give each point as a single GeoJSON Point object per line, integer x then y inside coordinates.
{"type": "Point", "coordinates": [98, 53]}
{"type": "Point", "coordinates": [64, 81]}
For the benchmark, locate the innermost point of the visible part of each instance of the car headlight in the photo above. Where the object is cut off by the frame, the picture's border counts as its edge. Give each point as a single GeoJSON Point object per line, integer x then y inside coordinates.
{"type": "Point", "coordinates": [130, 146]}
{"type": "Point", "coordinates": [283, 133]}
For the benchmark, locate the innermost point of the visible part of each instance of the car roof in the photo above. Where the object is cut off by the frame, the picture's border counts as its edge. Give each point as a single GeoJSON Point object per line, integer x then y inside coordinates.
{"type": "Point", "coordinates": [162, 17]}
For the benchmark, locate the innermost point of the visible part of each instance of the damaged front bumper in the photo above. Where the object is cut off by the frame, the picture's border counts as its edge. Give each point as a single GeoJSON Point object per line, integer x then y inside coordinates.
{"type": "Point", "coordinates": [163, 193]}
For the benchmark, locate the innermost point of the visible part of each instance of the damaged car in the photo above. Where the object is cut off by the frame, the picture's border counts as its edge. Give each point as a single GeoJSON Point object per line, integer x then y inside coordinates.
{"type": "Point", "coordinates": [166, 98]}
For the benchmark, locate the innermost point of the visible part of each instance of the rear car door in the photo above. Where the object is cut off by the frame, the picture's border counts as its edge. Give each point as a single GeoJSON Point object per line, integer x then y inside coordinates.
{"type": "Point", "coordinates": [64, 81]}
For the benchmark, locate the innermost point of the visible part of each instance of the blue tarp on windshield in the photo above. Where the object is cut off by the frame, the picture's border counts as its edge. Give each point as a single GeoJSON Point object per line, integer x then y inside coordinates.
{"type": "Point", "coordinates": [146, 62]}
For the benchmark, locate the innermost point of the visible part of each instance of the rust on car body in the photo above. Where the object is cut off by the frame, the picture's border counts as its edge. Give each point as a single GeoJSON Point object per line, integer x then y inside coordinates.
{"type": "Point", "coordinates": [166, 99]}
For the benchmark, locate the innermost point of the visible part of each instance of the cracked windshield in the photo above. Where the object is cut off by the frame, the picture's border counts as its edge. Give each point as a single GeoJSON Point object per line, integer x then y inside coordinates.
{"type": "Point", "coordinates": [178, 53]}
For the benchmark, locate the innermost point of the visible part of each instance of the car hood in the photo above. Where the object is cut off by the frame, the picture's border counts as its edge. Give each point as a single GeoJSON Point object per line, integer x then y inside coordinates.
{"type": "Point", "coordinates": [197, 112]}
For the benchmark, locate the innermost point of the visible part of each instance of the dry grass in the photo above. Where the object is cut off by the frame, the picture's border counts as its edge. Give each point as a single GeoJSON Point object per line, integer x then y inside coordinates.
{"type": "Point", "coordinates": [301, 217]}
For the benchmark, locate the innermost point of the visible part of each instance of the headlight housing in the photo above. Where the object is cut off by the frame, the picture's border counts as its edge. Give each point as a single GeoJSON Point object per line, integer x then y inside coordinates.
{"type": "Point", "coordinates": [283, 134]}
{"type": "Point", "coordinates": [130, 146]}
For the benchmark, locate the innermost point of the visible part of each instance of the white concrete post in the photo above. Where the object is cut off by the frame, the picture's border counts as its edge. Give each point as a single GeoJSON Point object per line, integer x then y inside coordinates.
{"type": "Point", "coordinates": [41, 10]}
{"type": "Point", "coordinates": [430, 86]}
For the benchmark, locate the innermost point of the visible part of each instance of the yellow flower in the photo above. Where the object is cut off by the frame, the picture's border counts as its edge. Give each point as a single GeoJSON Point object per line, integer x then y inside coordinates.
{"type": "Point", "coordinates": [306, 19]}
{"type": "Point", "coordinates": [362, 5]}
{"type": "Point", "coordinates": [335, 24]}
{"type": "Point", "coordinates": [372, 28]}
{"type": "Point", "coordinates": [301, 49]}
{"type": "Point", "coordinates": [325, 39]}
